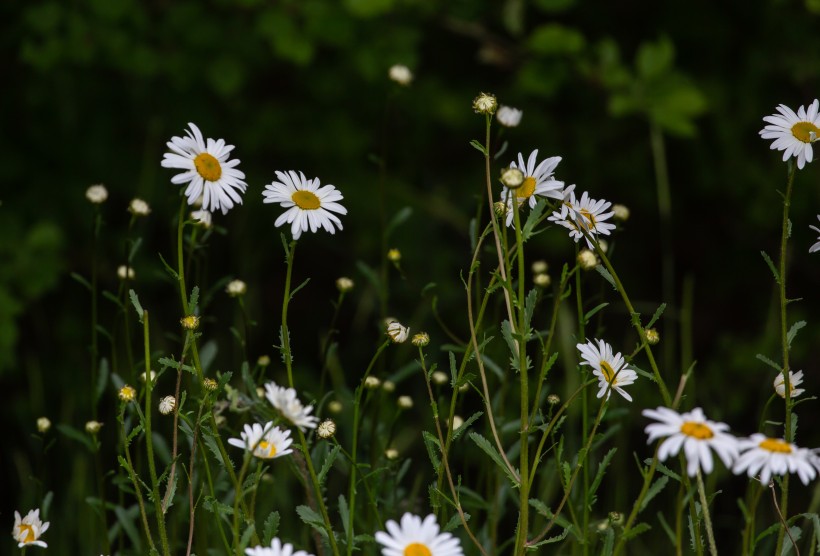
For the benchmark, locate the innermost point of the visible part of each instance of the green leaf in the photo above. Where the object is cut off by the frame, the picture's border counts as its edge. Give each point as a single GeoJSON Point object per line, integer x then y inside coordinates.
{"type": "Point", "coordinates": [769, 362]}
{"type": "Point", "coordinates": [312, 518]}
{"type": "Point", "coordinates": [488, 449]}
{"type": "Point", "coordinates": [102, 378]}
{"type": "Point", "coordinates": [270, 528]}
{"type": "Point", "coordinates": [555, 39]}
{"type": "Point", "coordinates": [479, 147]}
{"type": "Point", "coordinates": [398, 219]}
{"type": "Point", "coordinates": [328, 463]}
{"type": "Point", "coordinates": [637, 530]}
{"type": "Point", "coordinates": [795, 328]}
{"type": "Point", "coordinates": [344, 513]}
{"type": "Point", "coordinates": [136, 303]}
{"type": "Point", "coordinates": [771, 266]}
{"type": "Point", "coordinates": [655, 59]}
{"type": "Point", "coordinates": [529, 309]}
{"type": "Point", "coordinates": [532, 220]}
{"type": "Point", "coordinates": [466, 425]}
{"type": "Point", "coordinates": [653, 491]}
{"type": "Point", "coordinates": [601, 269]}
{"type": "Point", "coordinates": [454, 522]}
{"type": "Point", "coordinates": [168, 268]}
{"type": "Point", "coordinates": [74, 434]}
{"type": "Point", "coordinates": [658, 312]}
{"type": "Point", "coordinates": [433, 448]}
{"type": "Point", "coordinates": [550, 540]}
{"type": "Point", "coordinates": [593, 311]}
{"type": "Point", "coordinates": [81, 280]}
{"type": "Point", "coordinates": [599, 474]}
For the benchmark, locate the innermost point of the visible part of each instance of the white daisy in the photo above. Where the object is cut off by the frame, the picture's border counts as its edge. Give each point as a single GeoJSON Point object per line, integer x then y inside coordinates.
{"type": "Point", "coordinates": [415, 537]}
{"type": "Point", "coordinates": [27, 530]}
{"type": "Point", "coordinates": [816, 247]}
{"type": "Point", "coordinates": [309, 206]}
{"type": "Point", "coordinates": [266, 442]}
{"type": "Point", "coordinates": [772, 456]}
{"type": "Point", "coordinates": [584, 215]}
{"type": "Point", "coordinates": [795, 380]}
{"type": "Point", "coordinates": [696, 434]}
{"type": "Point", "coordinates": [508, 116]}
{"type": "Point", "coordinates": [277, 548]}
{"type": "Point", "coordinates": [285, 400]}
{"type": "Point", "coordinates": [610, 369]}
{"type": "Point", "coordinates": [397, 332]}
{"type": "Point", "coordinates": [538, 182]}
{"type": "Point", "coordinates": [208, 172]}
{"type": "Point", "coordinates": [793, 133]}
{"type": "Point", "coordinates": [203, 218]}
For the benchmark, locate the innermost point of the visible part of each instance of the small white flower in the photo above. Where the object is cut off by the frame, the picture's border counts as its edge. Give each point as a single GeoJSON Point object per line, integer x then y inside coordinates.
{"type": "Point", "coordinates": [695, 434]}
{"type": "Point", "coordinates": [309, 205]}
{"type": "Point", "coordinates": [397, 332]}
{"type": "Point", "coordinates": [539, 267]}
{"type": "Point", "coordinates": [372, 382]}
{"type": "Point", "coordinates": [414, 537]}
{"type": "Point", "coordinates": [167, 405]}
{"type": "Point", "coordinates": [207, 170]}
{"type": "Point", "coordinates": [584, 215]}
{"type": "Point", "coordinates": [440, 377]}
{"type": "Point", "coordinates": [816, 247]}
{"type": "Point", "coordinates": [457, 422]}
{"type": "Point", "coordinates": [277, 548]}
{"type": "Point", "coordinates": [43, 424]}
{"type": "Point", "coordinates": [405, 402]}
{"type": "Point", "coordinates": [203, 218]}
{"type": "Point", "coordinates": [538, 182]}
{"type": "Point", "coordinates": [344, 284]}
{"type": "Point", "coordinates": [542, 280]}
{"type": "Point", "coordinates": [587, 259]}
{"type": "Point", "coordinates": [138, 207]}
{"type": "Point", "coordinates": [620, 212]}
{"type": "Point", "coordinates": [285, 400]}
{"type": "Point", "coordinates": [389, 386]}
{"type": "Point", "coordinates": [96, 194]}
{"type": "Point", "coordinates": [153, 376]}
{"type": "Point", "coordinates": [610, 369]}
{"type": "Point", "coordinates": [27, 530]}
{"type": "Point", "coordinates": [793, 133]}
{"type": "Point", "coordinates": [795, 380]}
{"type": "Point", "coordinates": [93, 427]}
{"type": "Point", "coordinates": [124, 272]}
{"type": "Point", "coordinates": [772, 456]}
{"type": "Point", "coordinates": [265, 441]}
{"type": "Point", "coordinates": [391, 453]}
{"type": "Point", "coordinates": [401, 74]}
{"type": "Point", "coordinates": [508, 116]}
{"type": "Point", "coordinates": [235, 288]}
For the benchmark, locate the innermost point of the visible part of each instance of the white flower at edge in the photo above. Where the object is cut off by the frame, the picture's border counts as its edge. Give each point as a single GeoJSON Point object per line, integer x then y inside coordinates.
{"type": "Point", "coordinates": [401, 74]}
{"type": "Point", "coordinates": [508, 116]}
{"type": "Point", "coordinates": [285, 400]}
{"type": "Point", "coordinates": [794, 133]}
{"type": "Point", "coordinates": [816, 247]}
{"type": "Point", "coordinates": [96, 194]}
{"type": "Point", "coordinates": [795, 380]}
{"type": "Point", "coordinates": [397, 332]}
{"type": "Point", "coordinates": [695, 434]}
{"type": "Point", "coordinates": [266, 441]}
{"type": "Point", "coordinates": [773, 456]}
{"type": "Point", "coordinates": [583, 215]}
{"type": "Point", "coordinates": [208, 171]}
{"type": "Point", "coordinates": [27, 530]}
{"type": "Point", "coordinates": [277, 548]}
{"type": "Point", "coordinates": [417, 538]}
{"type": "Point", "coordinates": [538, 182]}
{"type": "Point", "coordinates": [309, 205]}
{"type": "Point", "coordinates": [610, 369]}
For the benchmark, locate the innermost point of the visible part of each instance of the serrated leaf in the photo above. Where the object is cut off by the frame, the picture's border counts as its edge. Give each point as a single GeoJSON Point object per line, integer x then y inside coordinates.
{"type": "Point", "coordinates": [433, 448]}
{"type": "Point", "coordinates": [532, 220]}
{"type": "Point", "coordinates": [599, 474]}
{"type": "Point", "coordinates": [589, 314]}
{"type": "Point", "coordinates": [136, 303]}
{"type": "Point", "coordinates": [769, 362]}
{"type": "Point", "coordinates": [653, 491]}
{"type": "Point", "coordinates": [550, 540]}
{"type": "Point", "coordinates": [488, 449]}
{"type": "Point", "coordinates": [658, 312]}
{"type": "Point", "coordinates": [637, 530]}
{"type": "Point", "coordinates": [312, 518]}
{"type": "Point", "coordinates": [328, 463]}
{"type": "Point", "coordinates": [344, 513]}
{"type": "Point", "coordinates": [601, 269]}
{"type": "Point", "coordinates": [771, 266]}
{"type": "Point", "coordinates": [529, 309]}
{"type": "Point", "coordinates": [795, 328]}
{"type": "Point", "coordinates": [270, 528]}
{"type": "Point", "coordinates": [466, 425]}
{"type": "Point", "coordinates": [454, 522]}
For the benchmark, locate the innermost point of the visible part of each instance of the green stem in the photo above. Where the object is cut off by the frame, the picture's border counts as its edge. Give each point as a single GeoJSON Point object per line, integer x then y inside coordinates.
{"type": "Point", "coordinates": [137, 487]}
{"type": "Point", "coordinates": [707, 520]}
{"type": "Point", "coordinates": [290, 252]}
{"type": "Point", "coordinates": [240, 495]}
{"type": "Point", "coordinates": [579, 307]}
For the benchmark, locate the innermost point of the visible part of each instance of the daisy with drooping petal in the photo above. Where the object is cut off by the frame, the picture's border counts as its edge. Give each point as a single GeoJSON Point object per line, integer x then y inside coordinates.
{"type": "Point", "coordinates": [27, 530]}
{"type": "Point", "coordinates": [583, 216]}
{"type": "Point", "coordinates": [773, 456]}
{"type": "Point", "coordinates": [795, 380]}
{"type": "Point", "coordinates": [285, 400]}
{"type": "Point", "coordinates": [414, 537]}
{"type": "Point", "coordinates": [276, 548]}
{"type": "Point", "coordinates": [696, 434]}
{"type": "Point", "coordinates": [208, 171]}
{"type": "Point", "coordinates": [610, 369]}
{"type": "Point", "coordinates": [538, 182]}
{"type": "Point", "coordinates": [309, 205]}
{"type": "Point", "coordinates": [816, 247]}
{"type": "Point", "coordinates": [794, 133]}
{"type": "Point", "coordinates": [266, 442]}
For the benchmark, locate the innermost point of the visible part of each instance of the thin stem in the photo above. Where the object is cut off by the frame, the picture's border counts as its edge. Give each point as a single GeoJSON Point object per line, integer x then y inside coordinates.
{"type": "Point", "coordinates": [579, 308]}
{"type": "Point", "coordinates": [290, 251]}
{"type": "Point", "coordinates": [137, 487]}
{"type": "Point", "coordinates": [170, 487]}
{"type": "Point", "coordinates": [239, 495]}
{"type": "Point", "coordinates": [707, 520]}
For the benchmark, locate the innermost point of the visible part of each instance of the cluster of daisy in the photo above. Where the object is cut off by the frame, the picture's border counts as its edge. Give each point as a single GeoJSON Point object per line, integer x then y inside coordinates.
{"type": "Point", "coordinates": [794, 133]}
{"type": "Point", "coordinates": [213, 180]}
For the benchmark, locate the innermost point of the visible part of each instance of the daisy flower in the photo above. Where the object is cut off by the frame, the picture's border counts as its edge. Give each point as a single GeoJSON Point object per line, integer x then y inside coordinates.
{"type": "Point", "coordinates": [610, 369]}
{"type": "Point", "coordinates": [583, 216]}
{"type": "Point", "coordinates": [795, 380]}
{"type": "Point", "coordinates": [508, 116]}
{"type": "Point", "coordinates": [414, 537]}
{"type": "Point", "coordinates": [309, 206]}
{"type": "Point", "coordinates": [793, 133]}
{"type": "Point", "coordinates": [266, 442]}
{"type": "Point", "coordinates": [285, 400]}
{"type": "Point", "coordinates": [696, 434]}
{"type": "Point", "coordinates": [277, 548]}
{"type": "Point", "coordinates": [816, 247]}
{"type": "Point", "coordinates": [538, 182]}
{"type": "Point", "coordinates": [207, 170]}
{"type": "Point", "coordinates": [27, 530]}
{"type": "Point", "coordinates": [772, 456]}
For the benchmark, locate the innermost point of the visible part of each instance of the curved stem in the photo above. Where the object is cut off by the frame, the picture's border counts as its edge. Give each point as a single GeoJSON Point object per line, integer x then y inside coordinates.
{"type": "Point", "coordinates": [290, 251]}
{"type": "Point", "coordinates": [707, 520]}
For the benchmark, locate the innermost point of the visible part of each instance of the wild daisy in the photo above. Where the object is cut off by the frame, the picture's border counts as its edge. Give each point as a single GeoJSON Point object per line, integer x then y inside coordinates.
{"type": "Point", "coordinates": [207, 170]}
{"type": "Point", "coordinates": [795, 380]}
{"type": "Point", "coordinates": [27, 530]}
{"type": "Point", "coordinates": [397, 332]}
{"type": "Point", "coordinates": [610, 369]}
{"type": "Point", "coordinates": [276, 548]}
{"type": "Point", "coordinates": [538, 182]}
{"type": "Point", "coordinates": [508, 116]}
{"type": "Point", "coordinates": [265, 441]}
{"type": "Point", "coordinates": [414, 537]}
{"type": "Point", "coordinates": [793, 133]}
{"type": "Point", "coordinates": [816, 247]}
{"type": "Point", "coordinates": [308, 204]}
{"type": "Point", "coordinates": [584, 215]}
{"type": "Point", "coordinates": [285, 400]}
{"type": "Point", "coordinates": [696, 434]}
{"type": "Point", "coordinates": [772, 456]}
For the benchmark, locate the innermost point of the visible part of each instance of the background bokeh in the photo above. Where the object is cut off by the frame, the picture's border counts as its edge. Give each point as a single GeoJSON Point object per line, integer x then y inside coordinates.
{"type": "Point", "coordinates": [94, 88]}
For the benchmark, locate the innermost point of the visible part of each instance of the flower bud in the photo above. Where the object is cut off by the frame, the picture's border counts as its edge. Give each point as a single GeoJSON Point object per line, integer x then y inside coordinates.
{"type": "Point", "coordinates": [43, 424]}
{"type": "Point", "coordinates": [485, 104]}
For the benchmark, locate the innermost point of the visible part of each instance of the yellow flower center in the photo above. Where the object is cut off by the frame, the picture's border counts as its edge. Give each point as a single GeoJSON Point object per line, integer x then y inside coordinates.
{"type": "Point", "coordinates": [208, 167]}
{"type": "Point", "coordinates": [29, 533]}
{"type": "Point", "coordinates": [589, 216]}
{"type": "Point", "coordinates": [696, 430]}
{"type": "Point", "coordinates": [608, 371]}
{"type": "Point", "coordinates": [306, 200]}
{"type": "Point", "coordinates": [802, 131]}
{"type": "Point", "coordinates": [775, 445]}
{"type": "Point", "coordinates": [527, 188]}
{"type": "Point", "coordinates": [417, 549]}
{"type": "Point", "coordinates": [265, 449]}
